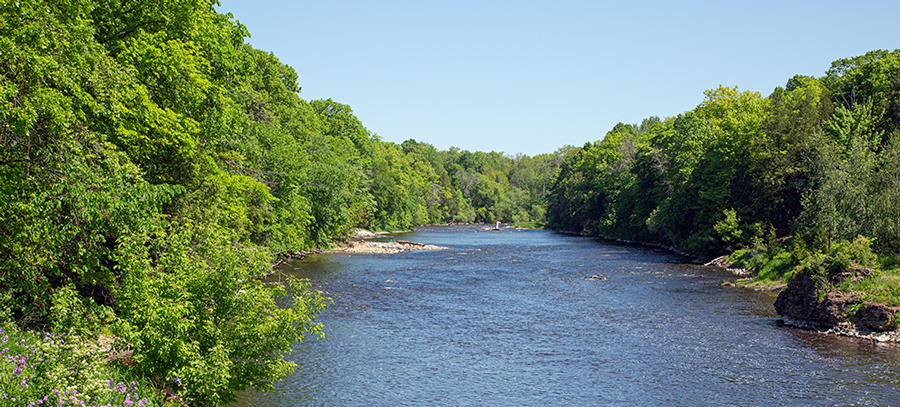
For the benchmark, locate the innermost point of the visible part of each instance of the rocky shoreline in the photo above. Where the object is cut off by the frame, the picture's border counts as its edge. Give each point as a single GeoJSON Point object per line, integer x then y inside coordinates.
{"type": "Point", "coordinates": [801, 305]}
{"type": "Point", "coordinates": [369, 247]}
{"type": "Point", "coordinates": [722, 263]}
{"type": "Point", "coordinates": [359, 244]}
{"type": "Point", "coordinates": [835, 313]}
{"type": "Point", "coordinates": [844, 329]}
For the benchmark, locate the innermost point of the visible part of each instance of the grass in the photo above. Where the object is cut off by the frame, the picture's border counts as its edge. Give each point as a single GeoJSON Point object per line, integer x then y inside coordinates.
{"type": "Point", "coordinates": [780, 268]}
{"type": "Point", "coordinates": [881, 288]}
{"type": "Point", "coordinates": [768, 274]}
{"type": "Point", "coordinates": [41, 369]}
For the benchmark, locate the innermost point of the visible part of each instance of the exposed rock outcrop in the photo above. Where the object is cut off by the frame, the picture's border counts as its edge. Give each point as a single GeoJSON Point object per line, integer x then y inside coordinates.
{"type": "Point", "coordinates": [723, 263]}
{"type": "Point", "coordinates": [287, 256]}
{"type": "Point", "coordinates": [803, 304]}
{"type": "Point", "coordinates": [400, 246]}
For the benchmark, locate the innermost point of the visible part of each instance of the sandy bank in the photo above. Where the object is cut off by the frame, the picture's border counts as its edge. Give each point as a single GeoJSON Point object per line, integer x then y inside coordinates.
{"type": "Point", "coordinates": [399, 246]}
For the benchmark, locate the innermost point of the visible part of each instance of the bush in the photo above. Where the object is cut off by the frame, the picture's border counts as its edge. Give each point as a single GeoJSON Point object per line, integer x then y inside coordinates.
{"type": "Point", "coordinates": [73, 314]}
{"type": "Point", "coordinates": [829, 269]}
{"type": "Point", "coordinates": [57, 369]}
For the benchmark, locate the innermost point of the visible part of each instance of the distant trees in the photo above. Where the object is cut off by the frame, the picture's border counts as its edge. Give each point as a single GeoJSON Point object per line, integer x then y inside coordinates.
{"type": "Point", "coordinates": [153, 165]}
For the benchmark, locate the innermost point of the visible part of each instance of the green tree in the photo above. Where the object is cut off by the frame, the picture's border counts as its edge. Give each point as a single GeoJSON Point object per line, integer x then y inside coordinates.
{"type": "Point", "coordinates": [839, 205]}
{"type": "Point", "coordinates": [196, 310]}
{"type": "Point", "coordinates": [123, 207]}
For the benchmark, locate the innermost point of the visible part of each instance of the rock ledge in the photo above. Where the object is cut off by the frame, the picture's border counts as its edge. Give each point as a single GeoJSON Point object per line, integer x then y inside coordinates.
{"type": "Point", "coordinates": [400, 246]}
{"type": "Point", "coordinates": [836, 312]}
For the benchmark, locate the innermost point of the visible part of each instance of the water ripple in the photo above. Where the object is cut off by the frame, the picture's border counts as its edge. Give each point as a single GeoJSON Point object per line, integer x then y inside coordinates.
{"type": "Point", "coordinates": [509, 319]}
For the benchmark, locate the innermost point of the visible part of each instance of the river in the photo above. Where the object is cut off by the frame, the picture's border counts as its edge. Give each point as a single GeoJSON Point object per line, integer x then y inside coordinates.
{"type": "Point", "coordinates": [507, 318]}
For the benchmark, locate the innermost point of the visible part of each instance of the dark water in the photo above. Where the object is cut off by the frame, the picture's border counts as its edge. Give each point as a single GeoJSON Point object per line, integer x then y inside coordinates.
{"type": "Point", "coordinates": [508, 319]}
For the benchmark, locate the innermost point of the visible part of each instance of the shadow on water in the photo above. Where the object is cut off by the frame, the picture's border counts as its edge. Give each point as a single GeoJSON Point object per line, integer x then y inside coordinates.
{"type": "Point", "coordinates": [508, 318]}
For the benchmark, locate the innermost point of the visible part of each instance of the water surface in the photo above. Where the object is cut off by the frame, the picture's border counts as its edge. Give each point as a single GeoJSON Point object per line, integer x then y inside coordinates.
{"type": "Point", "coordinates": [507, 318]}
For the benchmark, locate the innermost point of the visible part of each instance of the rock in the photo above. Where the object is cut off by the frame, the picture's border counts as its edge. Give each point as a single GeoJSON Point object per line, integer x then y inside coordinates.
{"type": "Point", "coordinates": [361, 247]}
{"type": "Point", "coordinates": [800, 301]}
{"type": "Point", "coordinates": [836, 312]}
{"type": "Point", "coordinates": [722, 263]}
{"type": "Point", "coordinates": [363, 234]}
{"type": "Point", "coordinates": [876, 317]}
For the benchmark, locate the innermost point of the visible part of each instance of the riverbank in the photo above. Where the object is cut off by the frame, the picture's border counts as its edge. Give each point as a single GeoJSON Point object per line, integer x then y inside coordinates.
{"type": "Point", "coordinates": [693, 259]}
{"type": "Point", "coordinates": [847, 290]}
{"type": "Point", "coordinates": [360, 243]}
{"type": "Point", "coordinates": [369, 247]}
{"type": "Point", "coordinates": [844, 329]}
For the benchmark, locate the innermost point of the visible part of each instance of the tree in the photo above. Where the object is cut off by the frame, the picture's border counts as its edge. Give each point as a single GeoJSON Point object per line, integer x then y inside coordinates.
{"type": "Point", "coordinates": [193, 308]}
{"type": "Point", "coordinates": [124, 211]}
{"type": "Point", "coordinates": [839, 206]}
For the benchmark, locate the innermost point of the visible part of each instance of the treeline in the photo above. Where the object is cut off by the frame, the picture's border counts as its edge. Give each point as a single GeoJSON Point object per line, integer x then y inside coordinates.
{"type": "Point", "coordinates": [153, 165]}
{"type": "Point", "coordinates": [482, 187]}
{"type": "Point", "coordinates": [817, 160]}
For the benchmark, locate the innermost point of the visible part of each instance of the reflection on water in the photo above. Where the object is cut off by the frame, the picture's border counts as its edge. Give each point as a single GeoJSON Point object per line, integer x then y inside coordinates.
{"type": "Point", "coordinates": [508, 319]}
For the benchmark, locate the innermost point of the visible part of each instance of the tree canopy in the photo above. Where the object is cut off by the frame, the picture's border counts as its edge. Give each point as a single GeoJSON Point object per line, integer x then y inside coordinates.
{"type": "Point", "coordinates": [814, 160]}
{"type": "Point", "coordinates": [153, 166]}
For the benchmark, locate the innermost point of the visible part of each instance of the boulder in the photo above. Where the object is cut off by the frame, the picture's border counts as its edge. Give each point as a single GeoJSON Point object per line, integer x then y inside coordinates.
{"type": "Point", "coordinates": [801, 301]}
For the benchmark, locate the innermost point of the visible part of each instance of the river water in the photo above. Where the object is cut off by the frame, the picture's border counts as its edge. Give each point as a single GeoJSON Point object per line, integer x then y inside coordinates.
{"type": "Point", "coordinates": [507, 318]}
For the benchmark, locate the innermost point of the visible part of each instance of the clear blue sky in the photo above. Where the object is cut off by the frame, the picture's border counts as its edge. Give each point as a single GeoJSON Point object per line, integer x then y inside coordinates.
{"type": "Point", "coordinates": [532, 76]}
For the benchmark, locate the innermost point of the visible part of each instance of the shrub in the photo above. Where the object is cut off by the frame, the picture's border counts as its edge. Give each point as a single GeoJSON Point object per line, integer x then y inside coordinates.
{"type": "Point", "coordinates": [828, 269]}
{"type": "Point", "coordinates": [57, 369]}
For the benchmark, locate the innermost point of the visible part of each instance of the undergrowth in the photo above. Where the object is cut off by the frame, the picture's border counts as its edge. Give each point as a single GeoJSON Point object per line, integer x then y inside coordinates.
{"type": "Point", "coordinates": [773, 264]}
{"type": "Point", "coordinates": [41, 369]}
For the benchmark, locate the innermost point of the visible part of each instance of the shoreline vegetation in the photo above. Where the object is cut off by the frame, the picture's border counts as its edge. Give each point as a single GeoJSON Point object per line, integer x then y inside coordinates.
{"type": "Point", "coordinates": [801, 187]}
{"type": "Point", "coordinates": [153, 165]}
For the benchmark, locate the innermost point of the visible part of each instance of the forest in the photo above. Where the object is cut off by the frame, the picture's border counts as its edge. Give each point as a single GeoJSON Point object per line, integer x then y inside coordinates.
{"type": "Point", "coordinates": [799, 189]}
{"type": "Point", "coordinates": [154, 166]}
{"type": "Point", "coordinates": [816, 162]}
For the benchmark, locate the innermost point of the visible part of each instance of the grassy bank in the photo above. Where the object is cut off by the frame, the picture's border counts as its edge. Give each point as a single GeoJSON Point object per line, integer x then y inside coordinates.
{"type": "Point", "coordinates": [867, 275]}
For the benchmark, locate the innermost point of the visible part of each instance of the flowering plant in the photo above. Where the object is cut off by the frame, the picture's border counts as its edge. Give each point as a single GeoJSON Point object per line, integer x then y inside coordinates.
{"type": "Point", "coordinates": [41, 369]}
